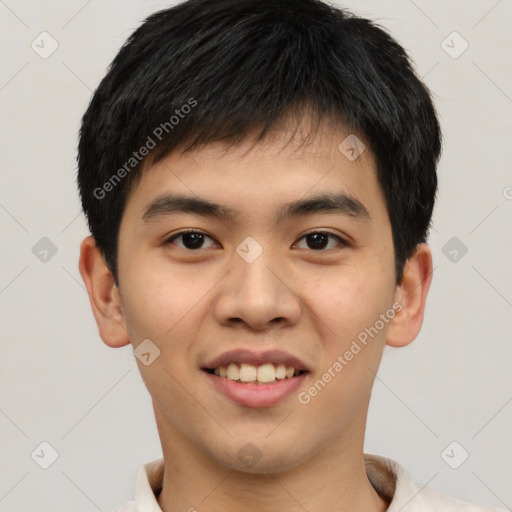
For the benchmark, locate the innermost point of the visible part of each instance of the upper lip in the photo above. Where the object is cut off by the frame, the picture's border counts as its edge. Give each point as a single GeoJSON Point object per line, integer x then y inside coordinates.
{"type": "Point", "coordinates": [256, 359]}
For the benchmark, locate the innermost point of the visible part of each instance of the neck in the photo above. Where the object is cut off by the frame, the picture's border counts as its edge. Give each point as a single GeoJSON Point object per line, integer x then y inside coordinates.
{"type": "Point", "coordinates": [333, 479]}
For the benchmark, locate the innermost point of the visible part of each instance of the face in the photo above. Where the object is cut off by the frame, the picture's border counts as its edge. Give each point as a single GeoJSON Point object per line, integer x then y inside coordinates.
{"type": "Point", "coordinates": [268, 272]}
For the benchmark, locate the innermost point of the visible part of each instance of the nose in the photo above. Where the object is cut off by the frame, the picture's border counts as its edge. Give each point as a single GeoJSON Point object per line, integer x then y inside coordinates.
{"type": "Point", "coordinates": [257, 295]}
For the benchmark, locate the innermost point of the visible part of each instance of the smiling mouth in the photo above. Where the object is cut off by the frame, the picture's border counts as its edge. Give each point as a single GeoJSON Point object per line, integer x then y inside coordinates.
{"type": "Point", "coordinates": [244, 373]}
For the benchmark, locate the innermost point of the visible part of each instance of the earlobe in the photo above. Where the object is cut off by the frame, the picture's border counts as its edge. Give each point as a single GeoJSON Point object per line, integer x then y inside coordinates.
{"type": "Point", "coordinates": [411, 294]}
{"type": "Point", "coordinates": [103, 295]}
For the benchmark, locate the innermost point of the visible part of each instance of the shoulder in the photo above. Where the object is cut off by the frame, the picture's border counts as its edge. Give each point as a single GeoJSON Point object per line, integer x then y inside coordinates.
{"type": "Point", "coordinates": [127, 507]}
{"type": "Point", "coordinates": [428, 499]}
{"type": "Point", "coordinates": [148, 485]}
{"type": "Point", "coordinates": [393, 482]}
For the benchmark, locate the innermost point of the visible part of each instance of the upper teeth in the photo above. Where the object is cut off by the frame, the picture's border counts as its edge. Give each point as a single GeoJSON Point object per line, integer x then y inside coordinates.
{"type": "Point", "coordinates": [267, 372]}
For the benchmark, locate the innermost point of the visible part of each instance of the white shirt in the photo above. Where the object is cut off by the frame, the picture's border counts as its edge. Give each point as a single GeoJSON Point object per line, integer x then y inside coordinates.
{"type": "Point", "coordinates": [387, 477]}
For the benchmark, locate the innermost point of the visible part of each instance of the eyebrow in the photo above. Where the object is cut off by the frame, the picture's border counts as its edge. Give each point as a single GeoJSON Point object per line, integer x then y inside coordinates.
{"type": "Point", "coordinates": [341, 203]}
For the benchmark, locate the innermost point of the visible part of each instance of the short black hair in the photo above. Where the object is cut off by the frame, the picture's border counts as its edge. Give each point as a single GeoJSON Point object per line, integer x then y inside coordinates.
{"type": "Point", "coordinates": [211, 70]}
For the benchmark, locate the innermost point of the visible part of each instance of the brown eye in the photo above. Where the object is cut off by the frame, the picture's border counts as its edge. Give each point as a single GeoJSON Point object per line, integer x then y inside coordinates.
{"type": "Point", "coordinates": [190, 240]}
{"type": "Point", "coordinates": [319, 240]}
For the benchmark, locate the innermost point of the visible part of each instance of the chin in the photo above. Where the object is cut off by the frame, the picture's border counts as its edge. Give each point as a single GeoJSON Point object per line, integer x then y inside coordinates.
{"type": "Point", "coordinates": [251, 459]}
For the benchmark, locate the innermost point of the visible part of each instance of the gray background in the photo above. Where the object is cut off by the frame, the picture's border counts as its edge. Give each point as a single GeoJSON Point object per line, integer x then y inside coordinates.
{"type": "Point", "coordinates": [60, 384]}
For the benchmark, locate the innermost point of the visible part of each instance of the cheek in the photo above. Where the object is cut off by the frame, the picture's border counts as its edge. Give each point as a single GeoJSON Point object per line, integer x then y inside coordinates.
{"type": "Point", "coordinates": [347, 303]}
{"type": "Point", "coordinates": [163, 308]}
{"type": "Point", "coordinates": [352, 348]}
{"type": "Point", "coordinates": [155, 301]}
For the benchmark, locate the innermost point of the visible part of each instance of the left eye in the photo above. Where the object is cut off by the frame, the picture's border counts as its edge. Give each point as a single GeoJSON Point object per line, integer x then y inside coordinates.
{"type": "Point", "coordinates": [190, 240]}
{"type": "Point", "coordinates": [320, 240]}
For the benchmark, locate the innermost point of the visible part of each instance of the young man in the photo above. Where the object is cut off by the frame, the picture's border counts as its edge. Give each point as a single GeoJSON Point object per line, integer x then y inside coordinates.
{"type": "Point", "coordinates": [259, 178]}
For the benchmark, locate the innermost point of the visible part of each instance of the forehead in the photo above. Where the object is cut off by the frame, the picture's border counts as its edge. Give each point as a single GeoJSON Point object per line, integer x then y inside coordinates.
{"type": "Point", "coordinates": [285, 165]}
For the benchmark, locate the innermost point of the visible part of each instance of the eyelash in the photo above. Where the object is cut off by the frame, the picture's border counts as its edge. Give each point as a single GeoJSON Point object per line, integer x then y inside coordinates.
{"type": "Point", "coordinates": [170, 240]}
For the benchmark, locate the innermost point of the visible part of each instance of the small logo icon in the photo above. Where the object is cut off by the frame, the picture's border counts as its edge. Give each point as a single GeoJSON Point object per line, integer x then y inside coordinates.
{"type": "Point", "coordinates": [44, 250]}
{"type": "Point", "coordinates": [454, 249]}
{"type": "Point", "coordinates": [352, 147]}
{"type": "Point", "coordinates": [44, 455]}
{"type": "Point", "coordinates": [454, 45]}
{"type": "Point", "coordinates": [249, 454]}
{"type": "Point", "coordinates": [146, 352]}
{"type": "Point", "coordinates": [249, 250]}
{"type": "Point", "coordinates": [44, 45]}
{"type": "Point", "coordinates": [455, 455]}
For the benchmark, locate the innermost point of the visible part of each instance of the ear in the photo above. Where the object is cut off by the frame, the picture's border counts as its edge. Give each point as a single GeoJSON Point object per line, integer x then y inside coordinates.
{"type": "Point", "coordinates": [103, 295]}
{"type": "Point", "coordinates": [412, 295]}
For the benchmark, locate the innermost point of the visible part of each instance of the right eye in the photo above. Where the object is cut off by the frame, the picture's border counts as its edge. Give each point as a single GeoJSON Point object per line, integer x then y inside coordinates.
{"type": "Point", "coordinates": [190, 240]}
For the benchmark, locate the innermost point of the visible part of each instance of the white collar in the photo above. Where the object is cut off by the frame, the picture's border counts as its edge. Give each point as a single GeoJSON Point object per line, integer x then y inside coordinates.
{"type": "Point", "coordinates": [387, 477]}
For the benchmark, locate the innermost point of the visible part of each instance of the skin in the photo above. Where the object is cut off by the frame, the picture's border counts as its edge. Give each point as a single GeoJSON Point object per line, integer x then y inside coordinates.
{"type": "Point", "coordinates": [195, 304]}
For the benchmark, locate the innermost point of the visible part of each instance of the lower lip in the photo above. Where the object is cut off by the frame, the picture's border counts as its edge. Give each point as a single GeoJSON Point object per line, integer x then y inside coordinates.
{"type": "Point", "coordinates": [256, 395]}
